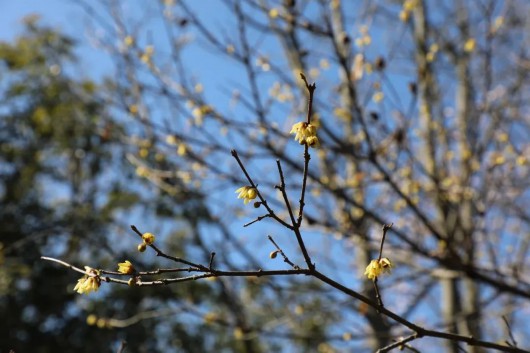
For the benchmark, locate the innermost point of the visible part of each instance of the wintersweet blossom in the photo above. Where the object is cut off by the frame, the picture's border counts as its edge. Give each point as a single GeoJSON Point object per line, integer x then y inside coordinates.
{"type": "Point", "coordinates": [378, 267]}
{"type": "Point", "coordinates": [88, 283]}
{"type": "Point", "coordinates": [306, 133]}
{"type": "Point", "coordinates": [247, 193]}
{"type": "Point", "coordinates": [148, 238]}
{"type": "Point", "coordinates": [126, 267]}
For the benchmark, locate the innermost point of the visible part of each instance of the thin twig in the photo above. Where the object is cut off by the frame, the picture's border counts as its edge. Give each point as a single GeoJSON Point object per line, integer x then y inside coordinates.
{"type": "Point", "coordinates": [296, 226]}
{"type": "Point", "coordinates": [256, 220]}
{"type": "Point", "coordinates": [169, 257]}
{"type": "Point", "coordinates": [510, 333]}
{"type": "Point", "coordinates": [378, 295]}
{"type": "Point", "coordinates": [386, 227]}
{"type": "Point", "coordinates": [285, 258]}
{"type": "Point", "coordinates": [400, 343]}
{"type": "Point", "coordinates": [212, 255]}
{"type": "Point", "coordinates": [66, 264]}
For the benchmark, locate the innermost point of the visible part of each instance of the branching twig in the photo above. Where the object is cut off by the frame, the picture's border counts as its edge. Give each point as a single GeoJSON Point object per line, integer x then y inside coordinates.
{"type": "Point", "coordinates": [285, 258]}
{"type": "Point", "coordinates": [398, 344]}
{"type": "Point", "coordinates": [510, 333]}
{"type": "Point", "coordinates": [262, 199]}
{"type": "Point", "coordinates": [295, 226]}
{"type": "Point", "coordinates": [169, 257]}
{"type": "Point", "coordinates": [256, 220]}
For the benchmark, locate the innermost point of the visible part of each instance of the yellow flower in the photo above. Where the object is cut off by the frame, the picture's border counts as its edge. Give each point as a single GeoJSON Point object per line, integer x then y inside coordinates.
{"type": "Point", "coordinates": [129, 41]}
{"type": "Point", "coordinates": [247, 193]}
{"type": "Point", "coordinates": [273, 13]}
{"type": "Point", "coordinates": [378, 267]}
{"type": "Point", "coordinates": [91, 319]}
{"type": "Point", "coordinates": [312, 141]}
{"type": "Point", "coordinates": [126, 267]}
{"type": "Point", "coordinates": [148, 238]}
{"type": "Point", "coordinates": [470, 45]}
{"type": "Point", "coordinates": [305, 133]}
{"type": "Point", "coordinates": [88, 283]}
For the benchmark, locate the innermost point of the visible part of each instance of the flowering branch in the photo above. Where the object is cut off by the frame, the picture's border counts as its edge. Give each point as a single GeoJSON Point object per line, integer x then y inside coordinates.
{"type": "Point", "coordinates": [262, 199]}
{"type": "Point", "coordinates": [306, 135]}
{"type": "Point", "coordinates": [311, 89]}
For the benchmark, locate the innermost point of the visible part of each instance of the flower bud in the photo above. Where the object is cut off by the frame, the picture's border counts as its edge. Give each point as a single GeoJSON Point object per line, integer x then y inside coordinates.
{"type": "Point", "coordinates": [148, 238]}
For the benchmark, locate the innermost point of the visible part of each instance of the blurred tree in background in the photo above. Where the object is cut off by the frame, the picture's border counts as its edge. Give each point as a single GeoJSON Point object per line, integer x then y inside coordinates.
{"type": "Point", "coordinates": [423, 119]}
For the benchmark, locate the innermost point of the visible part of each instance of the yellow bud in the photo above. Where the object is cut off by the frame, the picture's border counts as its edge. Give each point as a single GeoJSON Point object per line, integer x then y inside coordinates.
{"type": "Point", "coordinates": [142, 247]}
{"type": "Point", "coordinates": [129, 41]}
{"type": "Point", "coordinates": [101, 323]}
{"type": "Point", "coordinates": [273, 13]}
{"type": "Point", "coordinates": [148, 238]}
{"type": "Point", "coordinates": [273, 254]}
{"type": "Point", "coordinates": [91, 319]}
{"type": "Point", "coordinates": [469, 46]}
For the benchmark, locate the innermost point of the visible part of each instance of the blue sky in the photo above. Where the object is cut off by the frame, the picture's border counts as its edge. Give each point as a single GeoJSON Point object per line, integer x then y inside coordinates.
{"type": "Point", "coordinates": [66, 16]}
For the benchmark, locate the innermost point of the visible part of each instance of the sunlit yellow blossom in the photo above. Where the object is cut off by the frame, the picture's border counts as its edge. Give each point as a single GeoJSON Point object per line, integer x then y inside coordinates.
{"type": "Point", "coordinates": [470, 44]}
{"type": "Point", "coordinates": [247, 193]}
{"type": "Point", "coordinates": [91, 319]}
{"type": "Point", "coordinates": [147, 54]}
{"type": "Point", "coordinates": [129, 41]}
{"type": "Point", "coordinates": [305, 133]}
{"type": "Point", "coordinates": [126, 267]}
{"type": "Point", "coordinates": [171, 140]}
{"type": "Point", "coordinates": [378, 267]}
{"type": "Point", "coordinates": [88, 283]}
{"type": "Point", "coordinates": [404, 15]}
{"type": "Point", "coordinates": [181, 150]}
{"type": "Point", "coordinates": [312, 141]}
{"type": "Point", "coordinates": [148, 238]}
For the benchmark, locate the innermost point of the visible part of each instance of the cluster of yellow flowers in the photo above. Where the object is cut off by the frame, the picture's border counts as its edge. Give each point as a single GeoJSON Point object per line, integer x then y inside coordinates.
{"type": "Point", "coordinates": [247, 193]}
{"type": "Point", "coordinates": [148, 239]}
{"type": "Point", "coordinates": [89, 282]}
{"type": "Point", "coordinates": [377, 267]}
{"type": "Point", "coordinates": [408, 7]}
{"type": "Point", "coordinates": [306, 133]}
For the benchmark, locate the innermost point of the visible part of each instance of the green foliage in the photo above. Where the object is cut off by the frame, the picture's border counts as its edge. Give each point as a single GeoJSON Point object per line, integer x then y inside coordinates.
{"type": "Point", "coordinates": [53, 155]}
